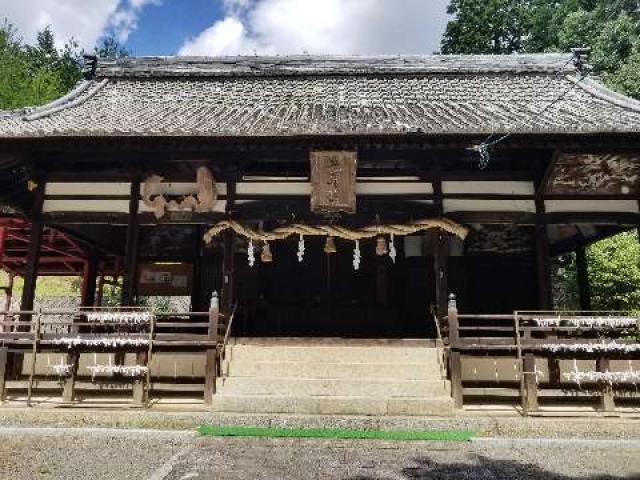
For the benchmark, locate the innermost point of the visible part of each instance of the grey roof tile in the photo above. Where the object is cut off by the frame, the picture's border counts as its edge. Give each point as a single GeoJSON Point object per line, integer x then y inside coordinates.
{"type": "Point", "coordinates": [289, 96]}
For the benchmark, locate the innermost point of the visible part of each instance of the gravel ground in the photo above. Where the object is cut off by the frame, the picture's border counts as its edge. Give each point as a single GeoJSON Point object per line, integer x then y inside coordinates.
{"type": "Point", "coordinates": [483, 425]}
{"type": "Point", "coordinates": [96, 454]}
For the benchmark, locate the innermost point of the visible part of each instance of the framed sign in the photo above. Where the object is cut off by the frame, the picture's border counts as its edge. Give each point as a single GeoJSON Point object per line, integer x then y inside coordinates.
{"type": "Point", "coordinates": [333, 181]}
{"type": "Point", "coordinates": [165, 279]}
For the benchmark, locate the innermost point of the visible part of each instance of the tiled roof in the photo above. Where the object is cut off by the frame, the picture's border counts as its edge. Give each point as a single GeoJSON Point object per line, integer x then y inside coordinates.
{"type": "Point", "coordinates": [300, 96]}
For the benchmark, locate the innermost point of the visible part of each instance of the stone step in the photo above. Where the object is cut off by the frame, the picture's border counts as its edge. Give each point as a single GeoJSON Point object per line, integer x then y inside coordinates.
{"type": "Point", "coordinates": [397, 371]}
{"type": "Point", "coordinates": [331, 354]}
{"type": "Point", "coordinates": [434, 406]}
{"type": "Point", "coordinates": [389, 388]}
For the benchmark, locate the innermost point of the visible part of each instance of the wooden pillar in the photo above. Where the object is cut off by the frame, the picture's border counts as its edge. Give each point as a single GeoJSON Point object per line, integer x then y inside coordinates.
{"type": "Point", "coordinates": [139, 381]}
{"type": "Point", "coordinates": [130, 280]}
{"type": "Point", "coordinates": [545, 293]}
{"type": "Point", "coordinates": [89, 280]}
{"type": "Point", "coordinates": [228, 261]}
{"type": "Point", "coordinates": [211, 367]}
{"type": "Point", "coordinates": [441, 272]}
{"type": "Point", "coordinates": [584, 287]}
{"type": "Point", "coordinates": [545, 290]}
{"type": "Point", "coordinates": [441, 253]}
{"type": "Point", "coordinates": [607, 402]}
{"type": "Point", "coordinates": [3, 371]}
{"type": "Point", "coordinates": [8, 292]}
{"type": "Point", "coordinates": [33, 252]}
{"type": "Point", "coordinates": [88, 291]}
{"type": "Point", "coordinates": [99, 291]}
{"type": "Point", "coordinates": [31, 268]}
{"type": "Point", "coordinates": [455, 360]}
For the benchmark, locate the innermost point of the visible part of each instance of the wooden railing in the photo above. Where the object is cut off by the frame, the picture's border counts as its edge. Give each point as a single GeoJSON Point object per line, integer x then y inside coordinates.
{"type": "Point", "coordinates": [549, 336]}
{"type": "Point", "coordinates": [27, 334]}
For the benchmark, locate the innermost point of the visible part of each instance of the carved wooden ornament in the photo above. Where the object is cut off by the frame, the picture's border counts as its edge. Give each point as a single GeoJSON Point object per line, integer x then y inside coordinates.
{"type": "Point", "coordinates": [204, 200]}
{"type": "Point", "coordinates": [333, 181]}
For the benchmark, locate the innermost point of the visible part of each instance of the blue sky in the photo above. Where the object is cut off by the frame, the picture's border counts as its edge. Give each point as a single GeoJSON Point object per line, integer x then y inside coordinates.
{"type": "Point", "coordinates": [232, 27]}
{"type": "Point", "coordinates": [163, 28]}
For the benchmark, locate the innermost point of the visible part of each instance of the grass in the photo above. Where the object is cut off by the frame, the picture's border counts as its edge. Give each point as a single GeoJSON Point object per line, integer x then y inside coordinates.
{"type": "Point", "coordinates": [444, 436]}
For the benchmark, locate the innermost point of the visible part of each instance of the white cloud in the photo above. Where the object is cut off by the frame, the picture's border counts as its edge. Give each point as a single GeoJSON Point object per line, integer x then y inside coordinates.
{"type": "Point", "coordinates": [83, 20]}
{"type": "Point", "coordinates": [323, 26]}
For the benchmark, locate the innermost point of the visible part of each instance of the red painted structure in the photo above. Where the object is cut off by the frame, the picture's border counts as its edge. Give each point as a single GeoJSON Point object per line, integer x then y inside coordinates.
{"type": "Point", "coordinates": [60, 253]}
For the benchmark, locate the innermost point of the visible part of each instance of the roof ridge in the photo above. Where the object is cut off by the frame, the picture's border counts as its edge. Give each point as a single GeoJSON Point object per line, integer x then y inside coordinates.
{"type": "Point", "coordinates": [601, 91]}
{"type": "Point", "coordinates": [72, 99]}
{"type": "Point", "coordinates": [306, 65]}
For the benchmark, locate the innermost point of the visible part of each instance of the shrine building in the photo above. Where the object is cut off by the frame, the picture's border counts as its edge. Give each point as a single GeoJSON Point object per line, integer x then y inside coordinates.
{"type": "Point", "coordinates": [341, 199]}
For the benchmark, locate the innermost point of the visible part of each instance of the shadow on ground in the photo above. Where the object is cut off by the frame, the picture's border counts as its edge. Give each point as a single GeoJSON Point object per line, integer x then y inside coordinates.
{"type": "Point", "coordinates": [490, 469]}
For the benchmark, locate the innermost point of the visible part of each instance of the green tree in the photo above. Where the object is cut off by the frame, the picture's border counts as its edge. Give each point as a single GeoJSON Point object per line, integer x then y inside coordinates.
{"type": "Point", "coordinates": [610, 27]}
{"type": "Point", "coordinates": [489, 26]}
{"type": "Point", "coordinates": [34, 74]}
{"type": "Point", "coordinates": [111, 48]}
{"type": "Point", "coordinates": [614, 272]}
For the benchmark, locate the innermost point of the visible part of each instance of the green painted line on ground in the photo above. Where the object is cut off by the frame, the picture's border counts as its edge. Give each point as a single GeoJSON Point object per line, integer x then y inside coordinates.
{"type": "Point", "coordinates": [444, 436]}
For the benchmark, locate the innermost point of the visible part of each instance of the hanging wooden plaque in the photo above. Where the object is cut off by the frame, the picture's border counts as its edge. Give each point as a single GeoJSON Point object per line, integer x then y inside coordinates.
{"type": "Point", "coordinates": [333, 181]}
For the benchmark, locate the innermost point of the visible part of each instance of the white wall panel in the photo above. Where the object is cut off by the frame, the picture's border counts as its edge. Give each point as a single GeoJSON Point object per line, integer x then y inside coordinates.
{"type": "Point", "coordinates": [556, 206]}
{"type": "Point", "coordinates": [107, 206]}
{"type": "Point", "coordinates": [393, 188]}
{"type": "Point", "coordinates": [87, 188]}
{"type": "Point", "coordinates": [459, 205]}
{"type": "Point", "coordinates": [504, 188]}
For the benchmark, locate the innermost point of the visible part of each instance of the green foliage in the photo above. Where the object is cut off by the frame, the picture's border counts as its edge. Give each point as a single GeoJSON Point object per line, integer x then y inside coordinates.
{"type": "Point", "coordinates": [565, 282]}
{"type": "Point", "coordinates": [37, 74]}
{"type": "Point", "coordinates": [614, 272]}
{"type": "Point", "coordinates": [111, 48]}
{"type": "Point", "coordinates": [610, 28]}
{"type": "Point", "coordinates": [488, 26]}
{"type": "Point", "coordinates": [33, 75]}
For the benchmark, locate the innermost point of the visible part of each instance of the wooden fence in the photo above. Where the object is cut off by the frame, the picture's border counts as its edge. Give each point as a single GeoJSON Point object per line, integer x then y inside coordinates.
{"type": "Point", "coordinates": [531, 337]}
{"type": "Point", "coordinates": [115, 331]}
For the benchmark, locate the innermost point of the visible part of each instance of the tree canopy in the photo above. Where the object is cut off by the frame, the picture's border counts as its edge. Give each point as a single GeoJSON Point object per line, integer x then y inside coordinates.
{"type": "Point", "coordinates": [611, 28]}
{"type": "Point", "coordinates": [36, 74]}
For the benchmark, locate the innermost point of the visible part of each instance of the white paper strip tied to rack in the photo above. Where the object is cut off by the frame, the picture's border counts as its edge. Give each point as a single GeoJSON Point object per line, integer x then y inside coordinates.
{"type": "Point", "coordinates": [629, 377]}
{"type": "Point", "coordinates": [120, 318]}
{"type": "Point", "coordinates": [109, 342]}
{"type": "Point", "coordinates": [62, 369]}
{"type": "Point", "coordinates": [588, 322]}
{"type": "Point", "coordinates": [127, 370]}
{"type": "Point", "coordinates": [603, 347]}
